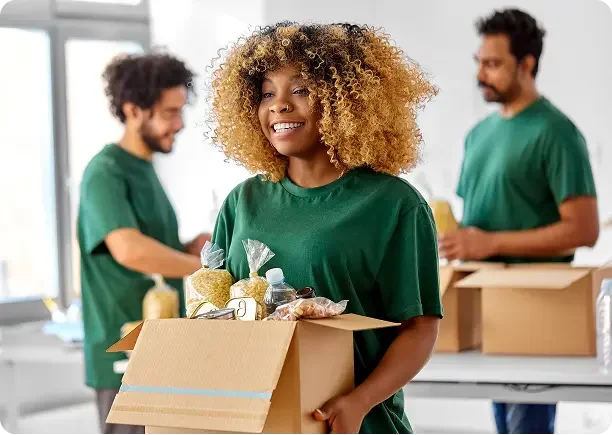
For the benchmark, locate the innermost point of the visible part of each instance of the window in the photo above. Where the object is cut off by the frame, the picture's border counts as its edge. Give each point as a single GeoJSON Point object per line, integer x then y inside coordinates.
{"type": "Point", "coordinates": [28, 235]}
{"type": "Point", "coordinates": [121, 10]}
{"type": "Point", "coordinates": [90, 123]}
{"type": "Point", "coordinates": [53, 119]}
{"type": "Point", "coordinates": [118, 2]}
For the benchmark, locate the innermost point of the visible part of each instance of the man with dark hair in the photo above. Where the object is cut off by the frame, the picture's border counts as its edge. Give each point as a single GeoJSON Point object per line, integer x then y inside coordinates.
{"type": "Point", "coordinates": [526, 181]}
{"type": "Point", "coordinates": [127, 227]}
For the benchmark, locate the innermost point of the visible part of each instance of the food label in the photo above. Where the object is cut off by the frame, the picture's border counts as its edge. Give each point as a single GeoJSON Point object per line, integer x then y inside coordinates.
{"type": "Point", "coordinates": [246, 308]}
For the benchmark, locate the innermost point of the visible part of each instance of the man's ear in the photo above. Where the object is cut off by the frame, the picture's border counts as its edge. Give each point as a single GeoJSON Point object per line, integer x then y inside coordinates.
{"type": "Point", "coordinates": [528, 64]}
{"type": "Point", "coordinates": [132, 111]}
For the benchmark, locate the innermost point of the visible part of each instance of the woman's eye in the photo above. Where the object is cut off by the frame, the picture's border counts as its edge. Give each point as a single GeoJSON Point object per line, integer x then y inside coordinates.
{"type": "Point", "coordinates": [267, 95]}
{"type": "Point", "coordinates": [303, 91]}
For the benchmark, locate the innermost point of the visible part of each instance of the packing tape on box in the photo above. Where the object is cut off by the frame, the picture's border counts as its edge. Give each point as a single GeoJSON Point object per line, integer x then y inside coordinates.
{"type": "Point", "coordinates": [196, 392]}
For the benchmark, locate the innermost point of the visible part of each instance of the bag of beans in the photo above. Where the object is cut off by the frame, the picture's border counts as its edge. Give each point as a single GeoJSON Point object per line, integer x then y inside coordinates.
{"type": "Point", "coordinates": [313, 308]}
{"type": "Point", "coordinates": [209, 287]}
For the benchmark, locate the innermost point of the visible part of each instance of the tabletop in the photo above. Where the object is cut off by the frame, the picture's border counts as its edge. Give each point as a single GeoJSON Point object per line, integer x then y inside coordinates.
{"type": "Point", "coordinates": [478, 367]}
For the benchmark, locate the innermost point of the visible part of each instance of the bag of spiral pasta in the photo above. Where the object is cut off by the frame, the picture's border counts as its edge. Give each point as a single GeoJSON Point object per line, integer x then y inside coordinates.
{"type": "Point", "coordinates": [209, 287]}
{"type": "Point", "coordinates": [254, 286]}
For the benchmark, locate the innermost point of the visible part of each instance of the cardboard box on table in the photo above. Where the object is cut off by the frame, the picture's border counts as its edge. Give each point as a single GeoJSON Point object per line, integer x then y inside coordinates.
{"type": "Point", "coordinates": [215, 376]}
{"type": "Point", "coordinates": [538, 309]}
{"type": "Point", "coordinates": [460, 329]}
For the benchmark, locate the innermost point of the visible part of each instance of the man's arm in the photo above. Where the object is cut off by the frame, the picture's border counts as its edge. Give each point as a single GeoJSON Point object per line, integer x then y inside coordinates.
{"type": "Point", "coordinates": [194, 247]}
{"type": "Point", "coordinates": [578, 227]}
{"type": "Point", "coordinates": [565, 159]}
{"type": "Point", "coordinates": [135, 251]}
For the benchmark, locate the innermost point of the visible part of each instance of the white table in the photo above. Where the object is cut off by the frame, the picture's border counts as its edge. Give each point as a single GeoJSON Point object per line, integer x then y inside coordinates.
{"type": "Point", "coordinates": [520, 379]}
{"type": "Point", "coordinates": [34, 348]}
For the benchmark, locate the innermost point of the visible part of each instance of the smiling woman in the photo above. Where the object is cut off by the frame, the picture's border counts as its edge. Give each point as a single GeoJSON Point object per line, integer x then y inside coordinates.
{"type": "Point", "coordinates": [365, 93]}
{"type": "Point", "coordinates": [326, 115]}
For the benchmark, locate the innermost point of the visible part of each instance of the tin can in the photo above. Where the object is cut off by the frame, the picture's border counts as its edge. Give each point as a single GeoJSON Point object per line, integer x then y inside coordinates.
{"type": "Point", "coordinates": [246, 308]}
{"type": "Point", "coordinates": [222, 314]}
{"type": "Point", "coordinates": [306, 293]}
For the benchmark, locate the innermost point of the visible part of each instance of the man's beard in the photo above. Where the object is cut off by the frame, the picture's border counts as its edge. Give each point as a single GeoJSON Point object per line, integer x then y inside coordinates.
{"type": "Point", "coordinates": [151, 140]}
{"type": "Point", "coordinates": [499, 96]}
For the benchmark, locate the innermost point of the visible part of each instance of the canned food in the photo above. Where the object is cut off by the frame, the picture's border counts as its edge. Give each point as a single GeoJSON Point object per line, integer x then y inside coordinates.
{"type": "Point", "coordinates": [306, 293]}
{"type": "Point", "coordinates": [223, 314]}
{"type": "Point", "coordinates": [246, 308]}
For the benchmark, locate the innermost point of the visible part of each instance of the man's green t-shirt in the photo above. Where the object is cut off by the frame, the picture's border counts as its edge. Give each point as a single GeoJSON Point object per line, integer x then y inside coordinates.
{"type": "Point", "coordinates": [367, 238]}
{"type": "Point", "coordinates": [118, 190]}
{"type": "Point", "coordinates": [517, 171]}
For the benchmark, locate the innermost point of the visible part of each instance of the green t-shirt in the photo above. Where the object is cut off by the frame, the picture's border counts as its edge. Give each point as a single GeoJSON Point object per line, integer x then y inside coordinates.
{"type": "Point", "coordinates": [118, 190]}
{"type": "Point", "coordinates": [517, 171]}
{"type": "Point", "coordinates": [367, 238]}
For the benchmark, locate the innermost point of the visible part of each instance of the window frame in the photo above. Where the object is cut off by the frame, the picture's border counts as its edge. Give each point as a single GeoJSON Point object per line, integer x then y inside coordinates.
{"type": "Point", "coordinates": [63, 22]}
{"type": "Point", "coordinates": [75, 9]}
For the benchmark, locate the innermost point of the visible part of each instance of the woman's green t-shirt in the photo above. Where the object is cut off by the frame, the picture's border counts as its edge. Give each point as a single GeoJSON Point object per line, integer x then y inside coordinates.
{"type": "Point", "coordinates": [368, 238]}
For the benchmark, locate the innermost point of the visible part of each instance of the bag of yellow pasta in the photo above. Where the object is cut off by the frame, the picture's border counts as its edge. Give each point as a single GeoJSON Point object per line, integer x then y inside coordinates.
{"type": "Point", "coordinates": [254, 286]}
{"type": "Point", "coordinates": [443, 216]}
{"type": "Point", "coordinates": [161, 301]}
{"type": "Point", "coordinates": [209, 287]}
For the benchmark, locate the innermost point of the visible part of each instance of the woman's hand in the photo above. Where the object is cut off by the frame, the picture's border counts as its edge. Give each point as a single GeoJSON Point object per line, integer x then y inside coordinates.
{"type": "Point", "coordinates": [344, 414]}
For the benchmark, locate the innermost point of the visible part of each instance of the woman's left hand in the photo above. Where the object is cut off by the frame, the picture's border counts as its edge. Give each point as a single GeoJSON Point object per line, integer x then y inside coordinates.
{"type": "Point", "coordinates": [344, 414]}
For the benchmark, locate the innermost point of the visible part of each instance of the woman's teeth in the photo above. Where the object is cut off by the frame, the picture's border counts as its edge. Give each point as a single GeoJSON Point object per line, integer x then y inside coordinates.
{"type": "Point", "coordinates": [287, 126]}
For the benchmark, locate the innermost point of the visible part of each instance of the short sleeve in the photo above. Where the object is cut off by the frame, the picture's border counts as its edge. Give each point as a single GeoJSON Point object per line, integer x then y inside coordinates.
{"type": "Point", "coordinates": [567, 165]}
{"type": "Point", "coordinates": [409, 277]}
{"type": "Point", "coordinates": [104, 207]}
{"type": "Point", "coordinates": [460, 191]}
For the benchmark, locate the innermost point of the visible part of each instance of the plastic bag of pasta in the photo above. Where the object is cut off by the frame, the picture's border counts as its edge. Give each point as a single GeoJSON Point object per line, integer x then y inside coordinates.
{"type": "Point", "coordinates": [314, 308]}
{"type": "Point", "coordinates": [210, 284]}
{"type": "Point", "coordinates": [254, 286]}
{"type": "Point", "coordinates": [161, 301]}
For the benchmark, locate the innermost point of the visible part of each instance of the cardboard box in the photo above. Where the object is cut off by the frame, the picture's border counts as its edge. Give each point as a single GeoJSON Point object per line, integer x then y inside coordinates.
{"type": "Point", "coordinates": [460, 329]}
{"type": "Point", "coordinates": [538, 309]}
{"type": "Point", "coordinates": [216, 376]}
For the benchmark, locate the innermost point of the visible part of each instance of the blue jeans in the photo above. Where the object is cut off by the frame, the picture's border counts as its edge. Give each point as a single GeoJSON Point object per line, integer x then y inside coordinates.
{"type": "Point", "coordinates": [521, 418]}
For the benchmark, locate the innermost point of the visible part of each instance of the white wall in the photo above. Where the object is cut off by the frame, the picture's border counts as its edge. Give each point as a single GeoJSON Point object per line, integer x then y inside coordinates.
{"type": "Point", "coordinates": [195, 30]}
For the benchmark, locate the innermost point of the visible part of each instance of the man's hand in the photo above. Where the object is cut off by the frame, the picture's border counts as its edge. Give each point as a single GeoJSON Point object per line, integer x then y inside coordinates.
{"type": "Point", "coordinates": [195, 246]}
{"type": "Point", "coordinates": [467, 244]}
{"type": "Point", "coordinates": [344, 414]}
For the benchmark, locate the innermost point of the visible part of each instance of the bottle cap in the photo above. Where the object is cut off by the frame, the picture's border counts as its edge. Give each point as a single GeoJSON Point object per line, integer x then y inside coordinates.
{"type": "Point", "coordinates": [274, 276]}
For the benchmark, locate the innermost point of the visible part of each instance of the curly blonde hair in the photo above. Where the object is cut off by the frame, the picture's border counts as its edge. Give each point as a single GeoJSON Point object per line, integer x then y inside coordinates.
{"type": "Point", "coordinates": [366, 92]}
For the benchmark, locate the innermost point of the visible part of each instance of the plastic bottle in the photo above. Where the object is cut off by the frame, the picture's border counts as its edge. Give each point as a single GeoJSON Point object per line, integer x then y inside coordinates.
{"type": "Point", "coordinates": [278, 292]}
{"type": "Point", "coordinates": [604, 327]}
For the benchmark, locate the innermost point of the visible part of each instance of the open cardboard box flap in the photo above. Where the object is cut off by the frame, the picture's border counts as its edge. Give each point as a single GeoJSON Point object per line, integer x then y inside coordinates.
{"type": "Point", "coordinates": [216, 375]}
{"type": "Point", "coordinates": [473, 266]}
{"type": "Point", "coordinates": [530, 278]}
{"type": "Point", "coordinates": [446, 276]}
{"type": "Point", "coordinates": [447, 271]}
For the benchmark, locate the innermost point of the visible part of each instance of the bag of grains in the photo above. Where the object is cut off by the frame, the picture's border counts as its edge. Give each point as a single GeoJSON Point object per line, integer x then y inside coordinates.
{"type": "Point", "coordinates": [210, 284]}
{"type": "Point", "coordinates": [161, 301]}
{"type": "Point", "coordinates": [254, 286]}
